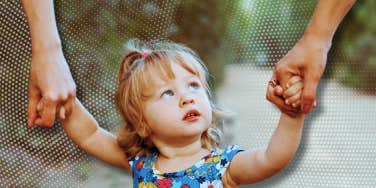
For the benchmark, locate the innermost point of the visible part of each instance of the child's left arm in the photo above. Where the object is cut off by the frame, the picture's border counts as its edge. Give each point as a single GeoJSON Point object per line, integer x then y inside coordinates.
{"type": "Point", "coordinates": [263, 163]}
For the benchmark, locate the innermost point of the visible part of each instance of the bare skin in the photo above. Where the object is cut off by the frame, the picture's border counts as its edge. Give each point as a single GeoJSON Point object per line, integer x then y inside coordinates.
{"type": "Point", "coordinates": [50, 83]}
{"type": "Point", "coordinates": [308, 57]}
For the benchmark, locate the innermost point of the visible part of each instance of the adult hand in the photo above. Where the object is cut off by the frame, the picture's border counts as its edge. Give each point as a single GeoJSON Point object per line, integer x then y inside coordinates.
{"type": "Point", "coordinates": [274, 93]}
{"type": "Point", "coordinates": [50, 85]}
{"type": "Point", "coordinates": [306, 59]}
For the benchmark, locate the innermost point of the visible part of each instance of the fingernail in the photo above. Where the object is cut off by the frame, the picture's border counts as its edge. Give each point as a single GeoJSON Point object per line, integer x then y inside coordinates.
{"type": "Point", "coordinates": [279, 89]}
{"type": "Point", "coordinates": [314, 104]}
{"type": "Point", "coordinates": [287, 102]}
{"type": "Point", "coordinates": [294, 105]}
{"type": "Point", "coordinates": [287, 85]}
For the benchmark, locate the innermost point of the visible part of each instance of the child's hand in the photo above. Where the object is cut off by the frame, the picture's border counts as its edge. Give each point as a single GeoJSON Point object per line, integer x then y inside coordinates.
{"type": "Point", "coordinates": [60, 112]}
{"type": "Point", "coordinates": [293, 93]}
{"type": "Point", "coordinates": [274, 94]}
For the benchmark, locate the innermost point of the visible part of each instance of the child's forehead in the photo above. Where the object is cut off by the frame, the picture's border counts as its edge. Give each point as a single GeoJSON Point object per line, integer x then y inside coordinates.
{"type": "Point", "coordinates": [156, 73]}
{"type": "Point", "coordinates": [159, 80]}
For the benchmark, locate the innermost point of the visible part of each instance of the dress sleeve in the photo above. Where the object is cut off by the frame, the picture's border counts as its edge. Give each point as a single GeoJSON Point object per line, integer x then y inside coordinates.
{"type": "Point", "coordinates": [227, 155]}
{"type": "Point", "coordinates": [136, 164]}
{"type": "Point", "coordinates": [131, 162]}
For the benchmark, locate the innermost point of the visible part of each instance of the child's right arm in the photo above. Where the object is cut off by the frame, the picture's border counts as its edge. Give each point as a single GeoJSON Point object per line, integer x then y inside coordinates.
{"type": "Point", "coordinates": [84, 131]}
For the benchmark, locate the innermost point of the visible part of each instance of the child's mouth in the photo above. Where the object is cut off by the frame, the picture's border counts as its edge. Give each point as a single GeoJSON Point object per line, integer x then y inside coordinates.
{"type": "Point", "coordinates": [191, 115]}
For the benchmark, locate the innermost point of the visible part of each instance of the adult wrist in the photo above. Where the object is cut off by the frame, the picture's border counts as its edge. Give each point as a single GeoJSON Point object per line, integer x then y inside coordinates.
{"type": "Point", "coordinates": [319, 40]}
{"type": "Point", "coordinates": [319, 34]}
{"type": "Point", "coordinates": [46, 45]}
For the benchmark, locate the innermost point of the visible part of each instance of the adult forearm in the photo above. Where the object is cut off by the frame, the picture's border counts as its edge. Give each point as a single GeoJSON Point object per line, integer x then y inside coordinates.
{"type": "Point", "coordinates": [41, 18]}
{"type": "Point", "coordinates": [326, 18]}
{"type": "Point", "coordinates": [284, 141]}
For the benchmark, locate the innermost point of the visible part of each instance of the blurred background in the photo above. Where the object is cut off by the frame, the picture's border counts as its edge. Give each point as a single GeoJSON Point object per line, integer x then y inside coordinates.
{"type": "Point", "coordinates": [240, 41]}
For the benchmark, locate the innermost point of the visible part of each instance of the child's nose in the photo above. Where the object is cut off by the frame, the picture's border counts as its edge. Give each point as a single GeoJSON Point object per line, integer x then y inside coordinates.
{"type": "Point", "coordinates": [186, 100]}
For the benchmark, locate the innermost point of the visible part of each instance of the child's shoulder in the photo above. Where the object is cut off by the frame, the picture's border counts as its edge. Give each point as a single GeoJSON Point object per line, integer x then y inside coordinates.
{"type": "Point", "coordinates": [229, 152]}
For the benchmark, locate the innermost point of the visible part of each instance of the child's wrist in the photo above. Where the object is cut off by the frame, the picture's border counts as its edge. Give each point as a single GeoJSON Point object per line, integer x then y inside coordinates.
{"type": "Point", "coordinates": [294, 115]}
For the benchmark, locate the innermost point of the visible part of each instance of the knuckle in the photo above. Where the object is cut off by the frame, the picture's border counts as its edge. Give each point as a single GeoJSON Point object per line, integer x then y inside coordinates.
{"type": "Point", "coordinates": [50, 123]}
{"type": "Point", "coordinates": [315, 77]}
{"type": "Point", "coordinates": [63, 96]}
{"type": "Point", "coordinates": [308, 97]}
{"type": "Point", "coordinates": [280, 68]}
{"type": "Point", "coordinates": [72, 93]}
{"type": "Point", "coordinates": [51, 97]}
{"type": "Point", "coordinates": [320, 66]}
{"type": "Point", "coordinates": [43, 124]}
{"type": "Point", "coordinates": [267, 96]}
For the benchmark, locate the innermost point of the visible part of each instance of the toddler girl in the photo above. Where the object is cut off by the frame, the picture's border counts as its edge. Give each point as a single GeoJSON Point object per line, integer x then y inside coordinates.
{"type": "Point", "coordinates": [169, 137]}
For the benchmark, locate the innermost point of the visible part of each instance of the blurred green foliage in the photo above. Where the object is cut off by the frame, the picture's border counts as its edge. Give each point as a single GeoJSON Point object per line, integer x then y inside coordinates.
{"type": "Point", "coordinates": [356, 41]}
{"type": "Point", "coordinates": [222, 31]}
{"type": "Point", "coordinates": [100, 28]}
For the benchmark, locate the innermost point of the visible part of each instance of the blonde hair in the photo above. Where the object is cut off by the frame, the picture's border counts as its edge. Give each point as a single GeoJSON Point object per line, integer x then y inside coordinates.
{"type": "Point", "coordinates": [141, 62]}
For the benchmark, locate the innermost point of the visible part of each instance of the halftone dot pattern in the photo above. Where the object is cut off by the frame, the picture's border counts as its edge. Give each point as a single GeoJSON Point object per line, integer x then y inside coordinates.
{"type": "Point", "coordinates": [338, 147]}
{"type": "Point", "coordinates": [28, 157]}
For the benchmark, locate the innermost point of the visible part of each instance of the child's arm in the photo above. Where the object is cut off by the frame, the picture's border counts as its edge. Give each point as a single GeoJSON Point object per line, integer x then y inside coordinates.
{"type": "Point", "coordinates": [263, 163]}
{"type": "Point", "coordinates": [84, 131]}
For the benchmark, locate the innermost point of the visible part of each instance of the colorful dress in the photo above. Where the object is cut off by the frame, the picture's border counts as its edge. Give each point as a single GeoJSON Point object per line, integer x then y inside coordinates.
{"type": "Point", "coordinates": [206, 173]}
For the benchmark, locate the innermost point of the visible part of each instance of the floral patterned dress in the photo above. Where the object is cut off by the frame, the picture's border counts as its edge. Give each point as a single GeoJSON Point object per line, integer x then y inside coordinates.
{"type": "Point", "coordinates": [205, 173]}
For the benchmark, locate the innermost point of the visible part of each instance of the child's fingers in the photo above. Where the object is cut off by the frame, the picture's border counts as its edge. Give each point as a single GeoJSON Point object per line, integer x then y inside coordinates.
{"type": "Point", "coordinates": [69, 105]}
{"type": "Point", "coordinates": [293, 80]}
{"type": "Point", "coordinates": [293, 99]}
{"type": "Point", "coordinates": [32, 111]}
{"type": "Point", "coordinates": [278, 100]}
{"type": "Point", "coordinates": [47, 114]}
{"type": "Point", "coordinates": [292, 90]}
{"type": "Point", "coordinates": [62, 112]}
{"type": "Point", "coordinates": [40, 106]}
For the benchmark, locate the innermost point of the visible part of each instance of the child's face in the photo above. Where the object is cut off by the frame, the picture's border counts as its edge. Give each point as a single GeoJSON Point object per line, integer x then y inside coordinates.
{"type": "Point", "coordinates": [179, 108]}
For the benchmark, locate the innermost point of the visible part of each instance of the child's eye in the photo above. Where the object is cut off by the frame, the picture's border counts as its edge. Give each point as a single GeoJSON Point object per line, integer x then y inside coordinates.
{"type": "Point", "coordinates": [194, 85]}
{"type": "Point", "coordinates": [167, 93]}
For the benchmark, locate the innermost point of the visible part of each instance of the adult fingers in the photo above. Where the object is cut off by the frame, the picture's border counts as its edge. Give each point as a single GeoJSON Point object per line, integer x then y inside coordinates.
{"type": "Point", "coordinates": [32, 108]}
{"type": "Point", "coordinates": [293, 99]}
{"type": "Point", "coordinates": [282, 73]}
{"type": "Point", "coordinates": [48, 113]}
{"type": "Point", "coordinates": [275, 87]}
{"type": "Point", "coordinates": [278, 90]}
{"type": "Point", "coordinates": [311, 80]}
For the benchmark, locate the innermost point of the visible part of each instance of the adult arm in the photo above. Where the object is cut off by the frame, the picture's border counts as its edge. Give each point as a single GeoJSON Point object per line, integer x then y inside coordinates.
{"type": "Point", "coordinates": [50, 78]}
{"type": "Point", "coordinates": [308, 57]}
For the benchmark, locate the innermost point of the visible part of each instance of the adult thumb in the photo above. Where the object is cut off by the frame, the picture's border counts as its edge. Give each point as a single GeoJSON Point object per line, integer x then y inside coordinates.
{"type": "Point", "coordinates": [282, 73]}
{"type": "Point", "coordinates": [311, 82]}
